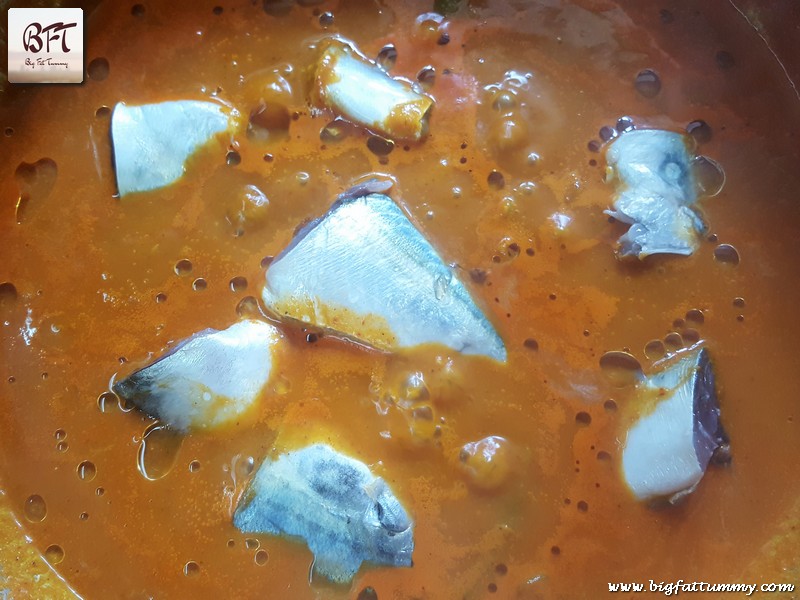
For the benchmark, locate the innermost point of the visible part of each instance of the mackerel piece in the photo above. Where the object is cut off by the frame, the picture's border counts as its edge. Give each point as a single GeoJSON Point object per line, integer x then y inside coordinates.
{"type": "Point", "coordinates": [152, 142]}
{"type": "Point", "coordinates": [655, 193]}
{"type": "Point", "coordinates": [208, 380]}
{"type": "Point", "coordinates": [357, 89]}
{"type": "Point", "coordinates": [667, 451]}
{"type": "Point", "coordinates": [363, 270]}
{"type": "Point", "coordinates": [345, 514]}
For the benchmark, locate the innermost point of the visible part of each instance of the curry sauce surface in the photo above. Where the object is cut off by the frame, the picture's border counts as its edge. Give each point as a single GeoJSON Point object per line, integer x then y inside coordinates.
{"type": "Point", "coordinates": [97, 293]}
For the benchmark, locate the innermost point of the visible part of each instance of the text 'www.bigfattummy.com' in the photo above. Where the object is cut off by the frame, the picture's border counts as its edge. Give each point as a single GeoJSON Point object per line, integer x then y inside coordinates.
{"type": "Point", "coordinates": [670, 588]}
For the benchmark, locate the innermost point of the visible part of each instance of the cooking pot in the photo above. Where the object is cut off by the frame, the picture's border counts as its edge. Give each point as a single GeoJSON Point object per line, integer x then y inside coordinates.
{"type": "Point", "coordinates": [766, 33]}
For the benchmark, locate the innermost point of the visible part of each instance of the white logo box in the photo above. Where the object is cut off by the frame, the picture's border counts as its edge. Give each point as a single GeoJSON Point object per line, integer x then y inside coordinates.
{"type": "Point", "coordinates": [45, 45]}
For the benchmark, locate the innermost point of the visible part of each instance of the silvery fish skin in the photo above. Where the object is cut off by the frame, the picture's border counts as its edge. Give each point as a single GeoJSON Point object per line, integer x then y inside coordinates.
{"type": "Point", "coordinates": [656, 191]}
{"type": "Point", "coordinates": [208, 380]}
{"type": "Point", "coordinates": [365, 271]}
{"type": "Point", "coordinates": [345, 514]}
{"type": "Point", "coordinates": [359, 90]}
{"type": "Point", "coordinates": [668, 450]}
{"type": "Point", "coordinates": [153, 141]}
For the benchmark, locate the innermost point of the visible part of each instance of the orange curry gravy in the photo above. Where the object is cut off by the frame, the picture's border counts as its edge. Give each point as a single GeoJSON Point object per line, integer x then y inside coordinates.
{"type": "Point", "coordinates": [94, 285]}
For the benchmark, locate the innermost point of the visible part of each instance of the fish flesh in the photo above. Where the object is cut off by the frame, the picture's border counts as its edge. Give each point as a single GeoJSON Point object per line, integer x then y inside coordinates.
{"type": "Point", "coordinates": [355, 88]}
{"type": "Point", "coordinates": [668, 450]}
{"type": "Point", "coordinates": [363, 270]}
{"type": "Point", "coordinates": [152, 142]}
{"type": "Point", "coordinates": [344, 513]}
{"type": "Point", "coordinates": [208, 380]}
{"type": "Point", "coordinates": [655, 193]}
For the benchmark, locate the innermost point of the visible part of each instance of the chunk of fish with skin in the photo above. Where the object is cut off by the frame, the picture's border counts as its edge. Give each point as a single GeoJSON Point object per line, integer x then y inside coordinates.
{"type": "Point", "coordinates": [344, 513]}
{"type": "Point", "coordinates": [354, 87]}
{"type": "Point", "coordinates": [656, 191]}
{"type": "Point", "coordinates": [364, 270]}
{"type": "Point", "coordinates": [668, 450]}
{"type": "Point", "coordinates": [208, 380]}
{"type": "Point", "coordinates": [152, 142]}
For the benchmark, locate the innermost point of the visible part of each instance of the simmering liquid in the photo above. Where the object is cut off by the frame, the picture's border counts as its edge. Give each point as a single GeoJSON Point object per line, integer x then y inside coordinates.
{"type": "Point", "coordinates": [95, 285]}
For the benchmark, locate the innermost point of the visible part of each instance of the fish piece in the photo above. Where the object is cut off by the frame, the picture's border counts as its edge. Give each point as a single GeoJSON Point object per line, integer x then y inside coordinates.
{"type": "Point", "coordinates": [344, 513]}
{"type": "Point", "coordinates": [363, 270]}
{"type": "Point", "coordinates": [354, 87]}
{"type": "Point", "coordinates": [153, 141]}
{"type": "Point", "coordinates": [208, 380]}
{"type": "Point", "coordinates": [655, 193]}
{"type": "Point", "coordinates": [667, 451]}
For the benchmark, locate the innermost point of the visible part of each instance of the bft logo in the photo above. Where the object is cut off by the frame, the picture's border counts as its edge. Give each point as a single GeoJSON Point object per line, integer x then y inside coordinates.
{"type": "Point", "coordinates": [45, 45]}
{"type": "Point", "coordinates": [32, 36]}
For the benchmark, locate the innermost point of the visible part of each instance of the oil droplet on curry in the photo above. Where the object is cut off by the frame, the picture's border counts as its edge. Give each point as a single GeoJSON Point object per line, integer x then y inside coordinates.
{"type": "Point", "coordinates": [511, 471]}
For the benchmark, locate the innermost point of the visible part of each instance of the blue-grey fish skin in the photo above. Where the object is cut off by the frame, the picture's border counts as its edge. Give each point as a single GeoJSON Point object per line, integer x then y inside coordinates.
{"type": "Point", "coordinates": [655, 195]}
{"type": "Point", "coordinates": [207, 380]}
{"type": "Point", "coordinates": [365, 258]}
{"type": "Point", "coordinates": [345, 514]}
{"type": "Point", "coordinates": [708, 431]}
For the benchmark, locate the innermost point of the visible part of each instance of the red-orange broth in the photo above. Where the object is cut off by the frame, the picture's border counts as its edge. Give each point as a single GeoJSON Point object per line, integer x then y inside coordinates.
{"type": "Point", "coordinates": [91, 283]}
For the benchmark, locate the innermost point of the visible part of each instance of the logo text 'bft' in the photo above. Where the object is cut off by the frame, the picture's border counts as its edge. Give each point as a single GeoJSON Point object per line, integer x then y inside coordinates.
{"type": "Point", "coordinates": [32, 36]}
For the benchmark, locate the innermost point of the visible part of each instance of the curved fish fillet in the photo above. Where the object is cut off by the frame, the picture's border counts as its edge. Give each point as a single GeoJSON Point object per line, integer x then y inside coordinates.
{"type": "Point", "coordinates": [365, 271]}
